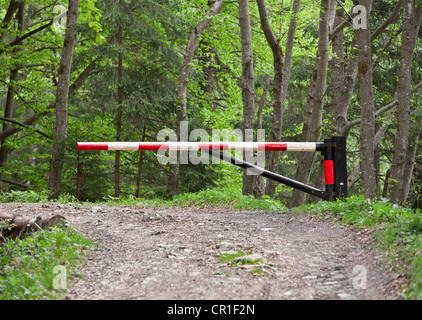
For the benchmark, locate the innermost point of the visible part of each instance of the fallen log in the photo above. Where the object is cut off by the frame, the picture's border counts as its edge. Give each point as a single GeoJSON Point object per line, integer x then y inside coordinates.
{"type": "Point", "coordinates": [16, 226]}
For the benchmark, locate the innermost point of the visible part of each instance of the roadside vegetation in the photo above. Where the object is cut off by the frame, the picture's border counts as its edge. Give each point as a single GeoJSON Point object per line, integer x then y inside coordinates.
{"type": "Point", "coordinates": [41, 265]}
{"type": "Point", "coordinates": [397, 232]}
{"type": "Point", "coordinates": [227, 198]}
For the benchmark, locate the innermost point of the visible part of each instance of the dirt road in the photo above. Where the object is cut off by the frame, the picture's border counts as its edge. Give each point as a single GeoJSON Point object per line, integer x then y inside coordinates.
{"type": "Point", "coordinates": [172, 253]}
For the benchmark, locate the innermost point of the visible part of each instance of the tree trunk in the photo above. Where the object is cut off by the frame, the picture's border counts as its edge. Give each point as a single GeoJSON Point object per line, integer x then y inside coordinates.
{"type": "Point", "coordinates": [282, 68]}
{"type": "Point", "coordinates": [412, 16]}
{"type": "Point", "coordinates": [140, 165]}
{"type": "Point", "coordinates": [59, 147]}
{"type": "Point", "coordinates": [259, 181]}
{"type": "Point", "coordinates": [377, 138]}
{"type": "Point", "coordinates": [338, 70]}
{"type": "Point", "coordinates": [344, 76]}
{"type": "Point", "coordinates": [10, 107]}
{"type": "Point", "coordinates": [248, 84]}
{"type": "Point", "coordinates": [314, 107]}
{"type": "Point", "coordinates": [79, 180]}
{"type": "Point", "coordinates": [9, 113]}
{"type": "Point", "coordinates": [182, 114]}
{"type": "Point", "coordinates": [408, 170]}
{"type": "Point", "coordinates": [367, 128]}
{"type": "Point", "coordinates": [119, 115]}
{"type": "Point", "coordinates": [13, 6]}
{"type": "Point", "coordinates": [208, 69]}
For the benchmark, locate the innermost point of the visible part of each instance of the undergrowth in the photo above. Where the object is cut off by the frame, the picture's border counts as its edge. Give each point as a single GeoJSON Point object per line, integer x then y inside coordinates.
{"type": "Point", "coordinates": [41, 265]}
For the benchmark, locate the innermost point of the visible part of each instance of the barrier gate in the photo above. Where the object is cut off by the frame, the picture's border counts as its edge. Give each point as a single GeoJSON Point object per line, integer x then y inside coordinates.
{"type": "Point", "coordinates": [332, 149]}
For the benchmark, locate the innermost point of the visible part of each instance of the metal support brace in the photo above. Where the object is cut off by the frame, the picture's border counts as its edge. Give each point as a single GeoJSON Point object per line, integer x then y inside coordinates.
{"type": "Point", "coordinates": [335, 169]}
{"type": "Point", "coordinates": [268, 174]}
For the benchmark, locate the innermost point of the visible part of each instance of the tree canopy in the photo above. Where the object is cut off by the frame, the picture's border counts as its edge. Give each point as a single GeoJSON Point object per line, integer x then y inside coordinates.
{"type": "Point", "coordinates": [300, 70]}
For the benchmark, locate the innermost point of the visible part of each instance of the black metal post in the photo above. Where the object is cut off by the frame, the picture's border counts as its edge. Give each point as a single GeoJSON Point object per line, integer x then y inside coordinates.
{"type": "Point", "coordinates": [328, 154]}
{"type": "Point", "coordinates": [334, 153]}
{"type": "Point", "coordinates": [340, 166]}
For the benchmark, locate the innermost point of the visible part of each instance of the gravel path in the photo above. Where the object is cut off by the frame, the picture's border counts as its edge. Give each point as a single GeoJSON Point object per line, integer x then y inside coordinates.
{"type": "Point", "coordinates": [172, 253]}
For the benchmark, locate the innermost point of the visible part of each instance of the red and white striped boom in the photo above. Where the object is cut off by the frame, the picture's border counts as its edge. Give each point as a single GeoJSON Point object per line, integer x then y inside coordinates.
{"type": "Point", "coordinates": [192, 146]}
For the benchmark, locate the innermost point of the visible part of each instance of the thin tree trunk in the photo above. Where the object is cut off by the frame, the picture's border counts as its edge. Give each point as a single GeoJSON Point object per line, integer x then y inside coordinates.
{"type": "Point", "coordinates": [140, 165]}
{"type": "Point", "coordinates": [412, 16]}
{"type": "Point", "coordinates": [338, 69]}
{"type": "Point", "coordinates": [377, 138]}
{"type": "Point", "coordinates": [209, 70]}
{"type": "Point", "coordinates": [59, 147]}
{"type": "Point", "coordinates": [262, 102]}
{"type": "Point", "coordinates": [182, 114]}
{"type": "Point", "coordinates": [13, 6]}
{"type": "Point", "coordinates": [313, 120]}
{"type": "Point", "coordinates": [344, 77]}
{"type": "Point", "coordinates": [259, 181]}
{"type": "Point", "coordinates": [119, 116]}
{"type": "Point", "coordinates": [9, 113]}
{"type": "Point", "coordinates": [79, 180]}
{"type": "Point", "coordinates": [248, 82]}
{"type": "Point", "coordinates": [408, 170]}
{"type": "Point", "coordinates": [282, 68]}
{"type": "Point", "coordinates": [367, 128]}
{"type": "Point", "coordinates": [10, 107]}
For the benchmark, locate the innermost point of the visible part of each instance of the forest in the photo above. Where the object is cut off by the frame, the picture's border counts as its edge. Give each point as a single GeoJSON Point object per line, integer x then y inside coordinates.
{"type": "Point", "coordinates": [125, 70]}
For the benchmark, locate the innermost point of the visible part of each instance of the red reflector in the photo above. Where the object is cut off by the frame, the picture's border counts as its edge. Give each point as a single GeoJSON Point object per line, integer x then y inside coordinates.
{"type": "Point", "coordinates": [329, 171]}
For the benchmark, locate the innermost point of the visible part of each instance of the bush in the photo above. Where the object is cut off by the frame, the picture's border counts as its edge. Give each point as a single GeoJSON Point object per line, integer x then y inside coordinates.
{"type": "Point", "coordinates": [23, 196]}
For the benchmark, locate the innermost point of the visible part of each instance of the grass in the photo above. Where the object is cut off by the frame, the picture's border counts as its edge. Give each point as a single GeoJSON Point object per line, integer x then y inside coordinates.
{"type": "Point", "coordinates": [224, 198]}
{"type": "Point", "coordinates": [40, 266]}
{"type": "Point", "coordinates": [31, 196]}
{"type": "Point", "coordinates": [229, 257]}
{"type": "Point", "coordinates": [397, 231]}
{"type": "Point", "coordinates": [228, 198]}
{"type": "Point", "coordinates": [240, 258]}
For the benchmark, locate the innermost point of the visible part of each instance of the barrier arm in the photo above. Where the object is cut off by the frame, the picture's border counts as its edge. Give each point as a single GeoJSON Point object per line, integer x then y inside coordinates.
{"type": "Point", "coordinates": [333, 150]}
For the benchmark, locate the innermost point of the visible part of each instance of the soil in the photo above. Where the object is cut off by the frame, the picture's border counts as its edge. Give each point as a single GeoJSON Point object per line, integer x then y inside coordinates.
{"type": "Point", "coordinates": [173, 253]}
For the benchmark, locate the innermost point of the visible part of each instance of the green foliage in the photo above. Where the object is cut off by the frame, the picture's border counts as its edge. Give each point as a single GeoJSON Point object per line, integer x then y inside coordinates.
{"type": "Point", "coordinates": [230, 258]}
{"type": "Point", "coordinates": [227, 198]}
{"type": "Point", "coordinates": [398, 231]}
{"type": "Point", "coordinates": [23, 196]}
{"type": "Point", "coordinates": [240, 258]}
{"type": "Point", "coordinates": [220, 197]}
{"type": "Point", "coordinates": [360, 212]}
{"type": "Point", "coordinates": [32, 196]}
{"type": "Point", "coordinates": [27, 266]}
